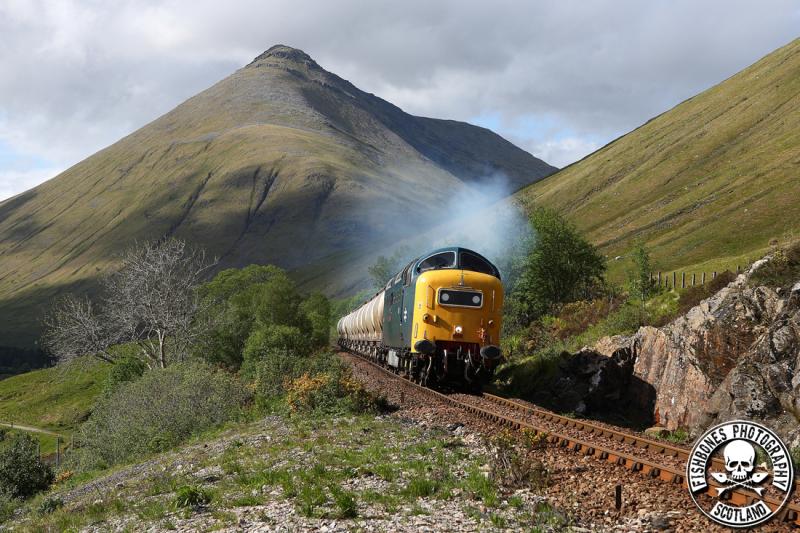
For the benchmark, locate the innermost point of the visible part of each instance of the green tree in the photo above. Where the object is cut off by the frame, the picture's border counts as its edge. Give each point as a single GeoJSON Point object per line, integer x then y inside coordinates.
{"type": "Point", "coordinates": [381, 271]}
{"type": "Point", "coordinates": [268, 340]}
{"type": "Point", "coordinates": [22, 472]}
{"type": "Point", "coordinates": [317, 310]}
{"type": "Point", "coordinates": [277, 301]}
{"type": "Point", "coordinates": [233, 297]}
{"type": "Point", "coordinates": [385, 267]}
{"type": "Point", "coordinates": [640, 279]}
{"type": "Point", "coordinates": [560, 267]}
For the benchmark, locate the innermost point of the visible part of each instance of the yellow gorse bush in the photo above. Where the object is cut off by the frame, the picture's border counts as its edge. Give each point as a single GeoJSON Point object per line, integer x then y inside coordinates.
{"type": "Point", "coordinates": [300, 391]}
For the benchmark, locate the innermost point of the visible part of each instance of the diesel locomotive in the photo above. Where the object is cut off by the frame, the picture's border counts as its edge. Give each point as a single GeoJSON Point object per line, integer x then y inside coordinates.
{"type": "Point", "coordinates": [437, 321]}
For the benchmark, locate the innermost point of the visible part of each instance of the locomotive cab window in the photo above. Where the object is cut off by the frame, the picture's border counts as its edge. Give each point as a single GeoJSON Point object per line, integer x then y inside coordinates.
{"type": "Point", "coordinates": [407, 274]}
{"type": "Point", "coordinates": [436, 261]}
{"type": "Point", "coordinates": [459, 298]}
{"type": "Point", "coordinates": [477, 264]}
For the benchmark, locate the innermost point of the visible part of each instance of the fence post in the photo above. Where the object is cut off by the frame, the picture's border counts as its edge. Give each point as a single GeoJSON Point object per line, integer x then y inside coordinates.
{"type": "Point", "coordinates": [683, 280]}
{"type": "Point", "coordinates": [714, 276]}
{"type": "Point", "coordinates": [703, 282]}
{"type": "Point", "coordinates": [659, 279]}
{"type": "Point", "coordinates": [693, 278]}
{"type": "Point", "coordinates": [738, 269]}
{"type": "Point", "coordinates": [674, 279]}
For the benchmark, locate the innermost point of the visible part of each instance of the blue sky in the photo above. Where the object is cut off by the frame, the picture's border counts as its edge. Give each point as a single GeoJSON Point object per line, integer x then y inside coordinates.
{"type": "Point", "coordinates": [559, 78]}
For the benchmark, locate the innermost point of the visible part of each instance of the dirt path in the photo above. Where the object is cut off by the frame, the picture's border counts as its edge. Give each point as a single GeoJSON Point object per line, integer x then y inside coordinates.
{"type": "Point", "coordinates": [30, 429]}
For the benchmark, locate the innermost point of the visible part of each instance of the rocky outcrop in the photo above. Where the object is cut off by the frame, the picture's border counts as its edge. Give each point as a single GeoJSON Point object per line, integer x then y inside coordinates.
{"type": "Point", "coordinates": [735, 355]}
{"type": "Point", "coordinates": [592, 383]}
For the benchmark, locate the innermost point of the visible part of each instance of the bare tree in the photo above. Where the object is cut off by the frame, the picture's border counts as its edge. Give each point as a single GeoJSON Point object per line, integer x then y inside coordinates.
{"type": "Point", "coordinates": [151, 301]}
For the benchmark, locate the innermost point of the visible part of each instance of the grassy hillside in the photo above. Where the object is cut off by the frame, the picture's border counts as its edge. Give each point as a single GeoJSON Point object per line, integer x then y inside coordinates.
{"type": "Point", "coordinates": [706, 185]}
{"type": "Point", "coordinates": [281, 162]}
{"type": "Point", "coordinates": [57, 398]}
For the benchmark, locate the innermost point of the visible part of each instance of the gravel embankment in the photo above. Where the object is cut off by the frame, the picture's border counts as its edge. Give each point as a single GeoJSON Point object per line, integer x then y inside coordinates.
{"type": "Point", "coordinates": [582, 486]}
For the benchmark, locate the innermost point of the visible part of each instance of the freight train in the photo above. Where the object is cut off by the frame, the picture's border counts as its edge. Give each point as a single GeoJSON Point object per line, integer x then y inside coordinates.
{"type": "Point", "coordinates": [437, 321]}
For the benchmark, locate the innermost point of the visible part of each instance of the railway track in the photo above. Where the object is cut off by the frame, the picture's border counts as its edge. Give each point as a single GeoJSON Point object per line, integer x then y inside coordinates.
{"type": "Point", "coordinates": [655, 459]}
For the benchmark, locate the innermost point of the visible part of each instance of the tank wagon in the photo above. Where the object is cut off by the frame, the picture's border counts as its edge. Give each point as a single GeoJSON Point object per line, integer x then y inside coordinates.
{"type": "Point", "coordinates": [437, 321]}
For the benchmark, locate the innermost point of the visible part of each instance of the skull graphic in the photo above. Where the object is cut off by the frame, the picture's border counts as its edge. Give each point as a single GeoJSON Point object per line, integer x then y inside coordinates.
{"type": "Point", "coordinates": [740, 458]}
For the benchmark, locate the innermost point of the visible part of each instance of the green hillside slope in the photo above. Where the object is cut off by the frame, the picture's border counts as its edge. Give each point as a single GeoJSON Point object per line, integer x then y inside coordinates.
{"type": "Point", "coordinates": [57, 398]}
{"type": "Point", "coordinates": [282, 162]}
{"type": "Point", "coordinates": [706, 184]}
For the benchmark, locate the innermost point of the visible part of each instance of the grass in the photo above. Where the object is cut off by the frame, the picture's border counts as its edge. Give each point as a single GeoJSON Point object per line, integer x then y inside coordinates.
{"type": "Point", "coordinates": [420, 467]}
{"type": "Point", "coordinates": [191, 496]}
{"type": "Point", "coordinates": [706, 185]}
{"type": "Point", "coordinates": [679, 436]}
{"type": "Point", "coordinates": [57, 398]}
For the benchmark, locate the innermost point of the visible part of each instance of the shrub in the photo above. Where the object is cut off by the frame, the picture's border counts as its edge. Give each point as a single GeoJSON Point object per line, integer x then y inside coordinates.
{"type": "Point", "coordinates": [22, 472]}
{"type": "Point", "coordinates": [8, 504]}
{"type": "Point", "coordinates": [679, 436]}
{"type": "Point", "coordinates": [525, 376]}
{"type": "Point", "coordinates": [274, 342]}
{"type": "Point", "coordinates": [421, 487]}
{"type": "Point", "coordinates": [327, 386]}
{"type": "Point", "coordinates": [576, 317]}
{"type": "Point", "coordinates": [317, 310]}
{"type": "Point", "coordinates": [49, 505]}
{"type": "Point", "coordinates": [158, 411]}
{"type": "Point", "coordinates": [273, 372]}
{"type": "Point", "coordinates": [124, 370]}
{"type": "Point", "coordinates": [346, 506]}
{"type": "Point", "coordinates": [513, 466]}
{"type": "Point", "coordinates": [63, 476]}
{"type": "Point", "coordinates": [321, 392]}
{"type": "Point", "coordinates": [190, 496]}
{"type": "Point", "coordinates": [795, 454]}
{"type": "Point", "coordinates": [783, 269]}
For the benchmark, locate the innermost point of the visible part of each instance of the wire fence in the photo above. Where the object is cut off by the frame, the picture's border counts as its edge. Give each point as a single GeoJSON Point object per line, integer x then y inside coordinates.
{"type": "Point", "coordinates": [682, 280]}
{"type": "Point", "coordinates": [44, 438]}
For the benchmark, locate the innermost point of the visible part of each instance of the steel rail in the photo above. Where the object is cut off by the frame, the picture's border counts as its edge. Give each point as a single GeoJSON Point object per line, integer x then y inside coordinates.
{"type": "Point", "coordinates": [669, 474]}
{"type": "Point", "coordinates": [592, 428]}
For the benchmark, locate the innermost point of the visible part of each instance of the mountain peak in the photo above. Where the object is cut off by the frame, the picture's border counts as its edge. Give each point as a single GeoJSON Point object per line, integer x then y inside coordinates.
{"type": "Point", "coordinates": [286, 53]}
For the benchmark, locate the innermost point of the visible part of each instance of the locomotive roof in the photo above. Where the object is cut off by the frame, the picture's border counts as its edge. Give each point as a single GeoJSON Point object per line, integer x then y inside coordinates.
{"type": "Point", "coordinates": [414, 262]}
{"type": "Point", "coordinates": [457, 250]}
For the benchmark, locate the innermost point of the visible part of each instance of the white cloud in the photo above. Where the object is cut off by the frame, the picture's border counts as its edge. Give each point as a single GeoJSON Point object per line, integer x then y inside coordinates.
{"type": "Point", "coordinates": [562, 152]}
{"type": "Point", "coordinates": [13, 182]}
{"type": "Point", "coordinates": [78, 75]}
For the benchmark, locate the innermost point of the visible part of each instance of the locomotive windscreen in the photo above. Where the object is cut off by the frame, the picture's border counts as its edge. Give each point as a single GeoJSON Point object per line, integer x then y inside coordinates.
{"type": "Point", "coordinates": [477, 264]}
{"type": "Point", "coordinates": [440, 260]}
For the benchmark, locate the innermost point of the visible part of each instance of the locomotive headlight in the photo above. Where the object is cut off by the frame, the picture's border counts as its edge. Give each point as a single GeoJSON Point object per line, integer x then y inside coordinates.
{"type": "Point", "coordinates": [461, 298]}
{"type": "Point", "coordinates": [458, 330]}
